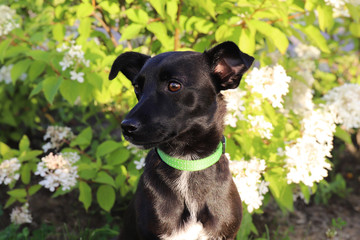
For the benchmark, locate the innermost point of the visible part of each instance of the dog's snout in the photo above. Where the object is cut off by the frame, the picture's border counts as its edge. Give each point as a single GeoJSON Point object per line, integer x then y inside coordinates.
{"type": "Point", "coordinates": [130, 125]}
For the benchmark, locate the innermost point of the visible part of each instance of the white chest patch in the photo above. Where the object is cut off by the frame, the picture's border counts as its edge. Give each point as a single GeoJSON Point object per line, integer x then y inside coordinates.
{"type": "Point", "coordinates": [192, 229]}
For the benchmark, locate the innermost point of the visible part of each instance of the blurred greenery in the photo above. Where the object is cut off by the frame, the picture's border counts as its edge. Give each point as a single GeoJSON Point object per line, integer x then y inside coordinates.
{"type": "Point", "coordinates": [42, 93]}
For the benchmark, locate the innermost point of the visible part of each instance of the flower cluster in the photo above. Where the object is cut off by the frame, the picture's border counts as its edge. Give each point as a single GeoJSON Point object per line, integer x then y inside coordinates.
{"type": "Point", "coordinates": [306, 159]}
{"type": "Point", "coordinates": [9, 171]}
{"type": "Point", "coordinates": [343, 102]}
{"type": "Point", "coordinates": [301, 99]}
{"type": "Point", "coordinates": [5, 74]}
{"type": "Point", "coordinates": [271, 82]}
{"type": "Point", "coordinates": [261, 126]}
{"type": "Point", "coordinates": [339, 7]}
{"type": "Point", "coordinates": [74, 56]}
{"type": "Point", "coordinates": [7, 21]}
{"type": "Point", "coordinates": [57, 135]}
{"type": "Point", "coordinates": [20, 215]}
{"type": "Point", "coordinates": [247, 177]}
{"type": "Point", "coordinates": [234, 105]}
{"type": "Point", "coordinates": [140, 154]}
{"type": "Point", "coordinates": [58, 170]}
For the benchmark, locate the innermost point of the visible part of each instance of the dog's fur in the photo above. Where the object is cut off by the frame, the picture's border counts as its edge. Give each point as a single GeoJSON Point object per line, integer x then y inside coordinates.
{"type": "Point", "coordinates": [187, 124]}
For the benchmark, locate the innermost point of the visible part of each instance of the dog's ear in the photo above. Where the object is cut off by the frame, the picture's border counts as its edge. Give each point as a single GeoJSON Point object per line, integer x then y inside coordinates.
{"type": "Point", "coordinates": [228, 64]}
{"type": "Point", "coordinates": [129, 64]}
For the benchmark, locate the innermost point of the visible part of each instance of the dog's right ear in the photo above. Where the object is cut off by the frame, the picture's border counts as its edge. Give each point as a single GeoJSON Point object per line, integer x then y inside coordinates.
{"type": "Point", "coordinates": [129, 63]}
{"type": "Point", "coordinates": [228, 64]}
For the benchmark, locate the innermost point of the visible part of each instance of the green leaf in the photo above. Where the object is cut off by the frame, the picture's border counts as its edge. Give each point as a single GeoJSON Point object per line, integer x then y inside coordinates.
{"type": "Point", "coordinates": [118, 156]}
{"type": "Point", "coordinates": [36, 90]}
{"type": "Point", "coordinates": [208, 6]}
{"type": "Point", "coordinates": [37, 67]}
{"type": "Point", "coordinates": [19, 68]}
{"type": "Point", "coordinates": [103, 177]}
{"type": "Point", "coordinates": [247, 41]}
{"type": "Point", "coordinates": [4, 149]}
{"type": "Point", "coordinates": [160, 31]}
{"type": "Point", "coordinates": [83, 139]}
{"type": "Point", "coordinates": [121, 177]}
{"type": "Point", "coordinates": [25, 173]}
{"type": "Point", "coordinates": [343, 135]}
{"type": "Point", "coordinates": [314, 34]}
{"type": "Point", "coordinates": [58, 32]}
{"type": "Point", "coordinates": [17, 193]}
{"type": "Point", "coordinates": [34, 189]}
{"type": "Point", "coordinates": [137, 16]}
{"type": "Point", "coordinates": [306, 192]}
{"type": "Point", "coordinates": [325, 16]}
{"type": "Point", "coordinates": [274, 34]}
{"type": "Point", "coordinates": [279, 188]}
{"type": "Point", "coordinates": [39, 55]}
{"type": "Point", "coordinates": [10, 201]}
{"type": "Point", "coordinates": [131, 31]}
{"type": "Point", "coordinates": [159, 6]}
{"type": "Point", "coordinates": [69, 89]}
{"type": "Point", "coordinates": [85, 194]}
{"type": "Point", "coordinates": [84, 10]}
{"type": "Point", "coordinates": [355, 29]}
{"type": "Point", "coordinates": [105, 196]}
{"type": "Point", "coordinates": [172, 9]}
{"type": "Point", "coordinates": [88, 174]}
{"type": "Point", "coordinates": [95, 80]}
{"type": "Point", "coordinates": [4, 45]}
{"type": "Point", "coordinates": [29, 155]}
{"type": "Point", "coordinates": [107, 147]}
{"type": "Point", "coordinates": [50, 87]}
{"type": "Point", "coordinates": [24, 143]}
{"type": "Point", "coordinates": [85, 28]}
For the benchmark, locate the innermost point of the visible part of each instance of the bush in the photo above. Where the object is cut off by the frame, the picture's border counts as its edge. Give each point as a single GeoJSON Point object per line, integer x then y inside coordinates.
{"type": "Point", "coordinates": [59, 114]}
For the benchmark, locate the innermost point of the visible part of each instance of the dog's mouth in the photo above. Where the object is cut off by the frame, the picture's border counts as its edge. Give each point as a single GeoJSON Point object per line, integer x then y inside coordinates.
{"type": "Point", "coordinates": [147, 144]}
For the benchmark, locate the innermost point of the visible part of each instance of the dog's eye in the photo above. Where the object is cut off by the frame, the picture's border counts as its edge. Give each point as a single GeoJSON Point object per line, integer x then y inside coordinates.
{"type": "Point", "coordinates": [137, 88]}
{"type": "Point", "coordinates": [174, 86]}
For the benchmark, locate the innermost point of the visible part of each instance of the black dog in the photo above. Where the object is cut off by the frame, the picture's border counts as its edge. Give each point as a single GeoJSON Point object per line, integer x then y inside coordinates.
{"type": "Point", "coordinates": [180, 113]}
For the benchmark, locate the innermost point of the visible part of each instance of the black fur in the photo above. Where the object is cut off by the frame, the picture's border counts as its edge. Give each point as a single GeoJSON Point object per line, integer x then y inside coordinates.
{"type": "Point", "coordinates": [186, 123]}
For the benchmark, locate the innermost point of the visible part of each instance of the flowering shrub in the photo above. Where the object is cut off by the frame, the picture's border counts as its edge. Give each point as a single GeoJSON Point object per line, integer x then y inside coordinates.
{"type": "Point", "coordinates": [59, 115]}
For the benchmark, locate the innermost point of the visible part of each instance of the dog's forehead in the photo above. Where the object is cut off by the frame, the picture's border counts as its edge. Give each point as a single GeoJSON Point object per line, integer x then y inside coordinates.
{"type": "Point", "coordinates": [172, 60]}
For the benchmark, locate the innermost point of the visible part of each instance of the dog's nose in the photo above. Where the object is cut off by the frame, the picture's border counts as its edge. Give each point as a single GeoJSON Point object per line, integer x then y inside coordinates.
{"type": "Point", "coordinates": [130, 125]}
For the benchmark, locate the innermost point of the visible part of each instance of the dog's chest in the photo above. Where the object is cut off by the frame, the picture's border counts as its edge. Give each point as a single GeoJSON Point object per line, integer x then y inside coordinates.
{"type": "Point", "coordinates": [192, 229]}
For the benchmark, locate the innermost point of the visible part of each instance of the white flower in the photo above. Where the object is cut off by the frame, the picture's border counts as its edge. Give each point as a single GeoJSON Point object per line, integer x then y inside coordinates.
{"type": "Point", "coordinates": [20, 215]}
{"type": "Point", "coordinates": [247, 177]}
{"type": "Point", "coordinates": [66, 63]}
{"type": "Point", "coordinates": [7, 21]}
{"type": "Point", "coordinates": [339, 6]}
{"type": "Point", "coordinates": [5, 74]}
{"type": "Point", "coordinates": [140, 164]}
{"type": "Point", "coordinates": [9, 171]}
{"type": "Point", "coordinates": [58, 170]}
{"type": "Point", "coordinates": [344, 104]}
{"type": "Point", "coordinates": [234, 105]}
{"type": "Point", "coordinates": [271, 82]}
{"type": "Point", "coordinates": [306, 159]}
{"type": "Point", "coordinates": [306, 52]}
{"type": "Point", "coordinates": [57, 135]}
{"type": "Point", "coordinates": [300, 100]}
{"type": "Point", "coordinates": [73, 57]}
{"type": "Point", "coordinates": [77, 76]}
{"type": "Point", "coordinates": [261, 126]}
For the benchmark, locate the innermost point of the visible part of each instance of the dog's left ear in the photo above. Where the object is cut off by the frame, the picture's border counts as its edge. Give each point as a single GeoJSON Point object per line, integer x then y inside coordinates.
{"type": "Point", "coordinates": [129, 63]}
{"type": "Point", "coordinates": [228, 64]}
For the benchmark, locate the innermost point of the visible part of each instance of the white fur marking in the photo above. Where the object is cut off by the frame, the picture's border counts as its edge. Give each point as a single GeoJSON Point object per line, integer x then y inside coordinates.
{"type": "Point", "coordinates": [192, 229]}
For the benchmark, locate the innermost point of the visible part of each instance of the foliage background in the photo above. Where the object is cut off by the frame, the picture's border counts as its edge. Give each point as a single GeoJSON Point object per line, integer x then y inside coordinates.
{"type": "Point", "coordinates": [95, 107]}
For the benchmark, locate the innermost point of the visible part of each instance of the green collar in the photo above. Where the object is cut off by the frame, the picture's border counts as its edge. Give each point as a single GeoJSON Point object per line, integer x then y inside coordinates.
{"type": "Point", "coordinates": [193, 165]}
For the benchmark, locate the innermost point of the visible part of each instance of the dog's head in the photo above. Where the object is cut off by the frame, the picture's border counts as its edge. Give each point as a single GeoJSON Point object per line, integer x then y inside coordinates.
{"type": "Point", "coordinates": [178, 92]}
